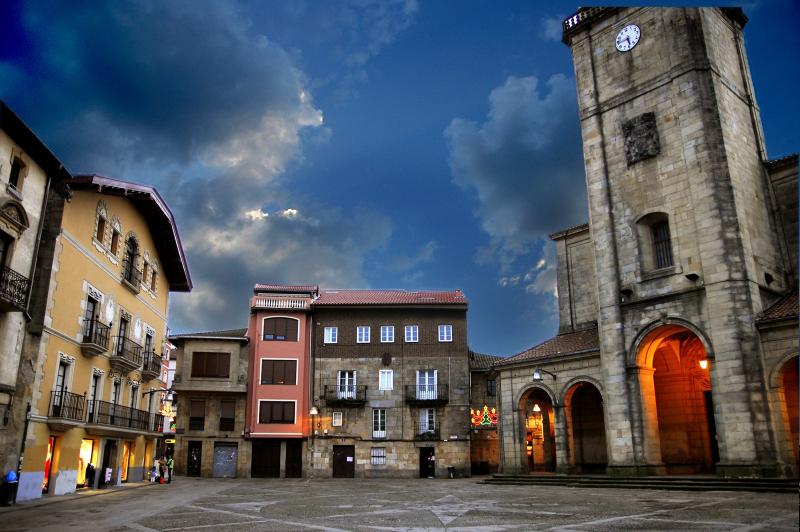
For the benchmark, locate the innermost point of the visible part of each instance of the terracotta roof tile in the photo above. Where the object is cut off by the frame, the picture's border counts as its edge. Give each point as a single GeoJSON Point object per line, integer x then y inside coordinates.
{"type": "Point", "coordinates": [784, 308]}
{"type": "Point", "coordinates": [479, 361]}
{"type": "Point", "coordinates": [389, 297]}
{"type": "Point", "coordinates": [563, 344]}
{"type": "Point", "coordinates": [287, 288]}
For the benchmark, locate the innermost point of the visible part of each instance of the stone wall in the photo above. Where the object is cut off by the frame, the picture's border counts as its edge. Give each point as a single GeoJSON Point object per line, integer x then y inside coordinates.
{"type": "Point", "coordinates": [577, 288]}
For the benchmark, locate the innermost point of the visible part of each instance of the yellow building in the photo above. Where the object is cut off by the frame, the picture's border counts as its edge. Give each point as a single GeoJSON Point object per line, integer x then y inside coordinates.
{"type": "Point", "coordinates": [99, 321]}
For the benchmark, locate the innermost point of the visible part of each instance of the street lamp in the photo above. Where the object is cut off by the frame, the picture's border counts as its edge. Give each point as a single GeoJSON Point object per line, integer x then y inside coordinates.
{"type": "Point", "coordinates": [537, 374]}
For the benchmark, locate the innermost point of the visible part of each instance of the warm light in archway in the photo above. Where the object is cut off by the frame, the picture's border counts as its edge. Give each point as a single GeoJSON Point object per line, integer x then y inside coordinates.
{"type": "Point", "coordinates": [536, 408]}
{"type": "Point", "coordinates": [703, 364]}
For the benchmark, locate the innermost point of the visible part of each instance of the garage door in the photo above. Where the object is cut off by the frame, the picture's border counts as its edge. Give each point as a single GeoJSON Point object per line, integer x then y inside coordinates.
{"type": "Point", "coordinates": [225, 455]}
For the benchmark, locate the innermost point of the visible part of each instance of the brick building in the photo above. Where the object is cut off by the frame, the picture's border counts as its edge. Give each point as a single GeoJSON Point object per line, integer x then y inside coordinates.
{"type": "Point", "coordinates": [678, 345]}
{"type": "Point", "coordinates": [210, 385]}
{"type": "Point", "coordinates": [391, 384]}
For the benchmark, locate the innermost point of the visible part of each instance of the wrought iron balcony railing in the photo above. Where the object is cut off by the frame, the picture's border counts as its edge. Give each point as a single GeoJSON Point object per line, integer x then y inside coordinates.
{"type": "Point", "coordinates": [67, 405]}
{"type": "Point", "coordinates": [151, 367]}
{"type": "Point", "coordinates": [426, 431]}
{"type": "Point", "coordinates": [13, 290]}
{"type": "Point", "coordinates": [426, 394]}
{"type": "Point", "coordinates": [95, 337]}
{"type": "Point", "coordinates": [127, 355]}
{"type": "Point", "coordinates": [105, 413]}
{"type": "Point", "coordinates": [345, 394]}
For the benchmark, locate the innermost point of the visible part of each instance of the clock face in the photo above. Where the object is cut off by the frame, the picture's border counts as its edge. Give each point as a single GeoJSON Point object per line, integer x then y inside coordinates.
{"type": "Point", "coordinates": [628, 37]}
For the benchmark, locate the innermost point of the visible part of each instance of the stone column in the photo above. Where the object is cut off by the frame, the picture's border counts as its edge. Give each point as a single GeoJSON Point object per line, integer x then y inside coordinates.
{"type": "Point", "coordinates": [563, 459]}
{"type": "Point", "coordinates": [649, 452]}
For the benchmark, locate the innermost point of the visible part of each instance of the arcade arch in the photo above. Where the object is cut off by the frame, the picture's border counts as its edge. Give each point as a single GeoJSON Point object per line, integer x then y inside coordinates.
{"type": "Point", "coordinates": [538, 431]}
{"type": "Point", "coordinates": [586, 431]}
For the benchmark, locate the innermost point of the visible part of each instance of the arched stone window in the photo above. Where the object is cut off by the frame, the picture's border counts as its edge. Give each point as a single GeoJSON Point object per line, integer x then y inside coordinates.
{"type": "Point", "coordinates": [101, 222]}
{"type": "Point", "coordinates": [655, 242]}
{"type": "Point", "coordinates": [116, 231]}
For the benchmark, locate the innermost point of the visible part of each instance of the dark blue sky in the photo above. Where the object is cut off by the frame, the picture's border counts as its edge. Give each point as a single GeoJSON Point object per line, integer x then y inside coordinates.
{"type": "Point", "coordinates": [383, 144]}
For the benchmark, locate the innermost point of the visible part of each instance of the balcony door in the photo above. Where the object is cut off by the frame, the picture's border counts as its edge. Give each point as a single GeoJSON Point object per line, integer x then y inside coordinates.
{"type": "Point", "coordinates": [94, 388]}
{"type": "Point", "coordinates": [346, 385]}
{"type": "Point", "coordinates": [88, 319]}
{"type": "Point", "coordinates": [123, 335]}
{"type": "Point", "coordinates": [427, 420]}
{"type": "Point", "coordinates": [61, 387]}
{"type": "Point", "coordinates": [426, 384]}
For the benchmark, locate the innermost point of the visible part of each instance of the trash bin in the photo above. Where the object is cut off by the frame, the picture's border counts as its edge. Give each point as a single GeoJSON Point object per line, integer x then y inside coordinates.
{"type": "Point", "coordinates": [451, 472]}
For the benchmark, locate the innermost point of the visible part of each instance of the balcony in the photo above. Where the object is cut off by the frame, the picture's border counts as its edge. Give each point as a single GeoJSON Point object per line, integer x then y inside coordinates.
{"type": "Point", "coordinates": [426, 394]}
{"type": "Point", "coordinates": [151, 368]}
{"type": "Point", "coordinates": [13, 290]}
{"type": "Point", "coordinates": [278, 303]}
{"type": "Point", "coordinates": [66, 410]}
{"type": "Point", "coordinates": [345, 394]}
{"type": "Point", "coordinates": [131, 276]}
{"type": "Point", "coordinates": [426, 431]}
{"type": "Point", "coordinates": [127, 355]}
{"type": "Point", "coordinates": [95, 337]}
{"type": "Point", "coordinates": [109, 414]}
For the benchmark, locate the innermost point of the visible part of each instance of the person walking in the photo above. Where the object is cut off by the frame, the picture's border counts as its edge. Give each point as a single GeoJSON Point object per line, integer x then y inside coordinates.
{"type": "Point", "coordinates": [170, 467]}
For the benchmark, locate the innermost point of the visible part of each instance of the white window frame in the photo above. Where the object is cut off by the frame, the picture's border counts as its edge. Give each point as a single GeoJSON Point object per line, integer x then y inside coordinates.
{"type": "Point", "coordinates": [445, 333]}
{"type": "Point", "coordinates": [426, 388]}
{"type": "Point", "coordinates": [346, 387]}
{"type": "Point", "coordinates": [336, 419]}
{"type": "Point", "coordinates": [427, 420]}
{"type": "Point", "coordinates": [387, 334]}
{"type": "Point", "coordinates": [331, 335]}
{"type": "Point", "coordinates": [362, 334]}
{"type": "Point", "coordinates": [378, 423]}
{"type": "Point", "coordinates": [385, 379]}
{"type": "Point", "coordinates": [377, 456]}
{"type": "Point", "coordinates": [412, 333]}
{"type": "Point", "coordinates": [258, 412]}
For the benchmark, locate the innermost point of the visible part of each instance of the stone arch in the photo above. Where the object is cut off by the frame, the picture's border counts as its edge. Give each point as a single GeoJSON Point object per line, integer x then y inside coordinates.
{"type": "Point", "coordinates": [566, 389]}
{"type": "Point", "coordinates": [638, 358]}
{"type": "Point", "coordinates": [584, 426]}
{"type": "Point", "coordinates": [775, 373]}
{"type": "Point", "coordinates": [546, 389]}
{"type": "Point", "coordinates": [783, 382]}
{"type": "Point", "coordinates": [14, 217]}
{"type": "Point", "coordinates": [536, 409]}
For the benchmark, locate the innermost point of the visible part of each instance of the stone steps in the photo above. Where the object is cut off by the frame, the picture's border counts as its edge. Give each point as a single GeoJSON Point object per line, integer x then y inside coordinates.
{"type": "Point", "coordinates": [771, 485]}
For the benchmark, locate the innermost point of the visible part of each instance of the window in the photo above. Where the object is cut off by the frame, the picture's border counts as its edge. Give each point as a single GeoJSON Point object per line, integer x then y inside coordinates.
{"type": "Point", "coordinates": [153, 279]}
{"type": "Point", "coordinates": [197, 414]}
{"type": "Point", "coordinates": [129, 270]}
{"type": "Point", "coordinates": [123, 335]}
{"type": "Point", "coordinates": [385, 379]}
{"type": "Point", "coordinates": [427, 420]}
{"type": "Point", "coordinates": [331, 335]}
{"type": "Point", "coordinates": [101, 230]}
{"type": "Point", "coordinates": [426, 384]}
{"type": "Point", "coordinates": [377, 456]}
{"type": "Point", "coordinates": [346, 385]}
{"type": "Point", "coordinates": [280, 329]}
{"type": "Point", "coordinates": [379, 423]}
{"type": "Point", "coordinates": [145, 271]}
{"type": "Point", "coordinates": [491, 387]}
{"type": "Point", "coordinates": [662, 247]}
{"type": "Point", "coordinates": [387, 334]}
{"type": "Point", "coordinates": [134, 397]}
{"type": "Point", "coordinates": [227, 415]}
{"type": "Point", "coordinates": [17, 175]}
{"type": "Point", "coordinates": [412, 333]}
{"type": "Point", "coordinates": [336, 419]}
{"type": "Point", "coordinates": [276, 412]}
{"type": "Point", "coordinates": [445, 333]}
{"type": "Point", "coordinates": [278, 371]}
{"type": "Point", "coordinates": [115, 389]}
{"type": "Point", "coordinates": [94, 391]}
{"type": "Point", "coordinates": [114, 241]}
{"type": "Point", "coordinates": [148, 343]}
{"type": "Point", "coordinates": [211, 365]}
{"type": "Point", "coordinates": [362, 334]}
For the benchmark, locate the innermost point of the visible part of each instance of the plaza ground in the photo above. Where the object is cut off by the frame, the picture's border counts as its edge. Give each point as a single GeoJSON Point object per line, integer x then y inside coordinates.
{"type": "Point", "coordinates": [399, 505]}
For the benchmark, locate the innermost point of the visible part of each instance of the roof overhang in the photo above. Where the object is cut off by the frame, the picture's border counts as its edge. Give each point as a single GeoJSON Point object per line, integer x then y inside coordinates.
{"type": "Point", "coordinates": [159, 218]}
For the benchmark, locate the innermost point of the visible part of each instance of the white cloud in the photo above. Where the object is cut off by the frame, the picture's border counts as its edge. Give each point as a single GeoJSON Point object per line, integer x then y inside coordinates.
{"type": "Point", "coordinates": [551, 29]}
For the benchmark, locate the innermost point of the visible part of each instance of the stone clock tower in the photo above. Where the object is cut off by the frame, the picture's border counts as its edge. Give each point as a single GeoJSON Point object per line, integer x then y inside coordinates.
{"type": "Point", "coordinates": [687, 249]}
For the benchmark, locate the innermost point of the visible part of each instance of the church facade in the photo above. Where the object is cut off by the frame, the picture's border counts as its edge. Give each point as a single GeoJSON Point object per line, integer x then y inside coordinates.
{"type": "Point", "coordinates": [677, 351]}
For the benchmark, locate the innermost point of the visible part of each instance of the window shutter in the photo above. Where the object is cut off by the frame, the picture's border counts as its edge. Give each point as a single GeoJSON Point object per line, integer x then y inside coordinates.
{"type": "Point", "coordinates": [291, 372]}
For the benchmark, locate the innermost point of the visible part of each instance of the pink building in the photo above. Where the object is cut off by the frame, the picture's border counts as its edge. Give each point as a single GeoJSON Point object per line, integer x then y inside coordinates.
{"type": "Point", "coordinates": [278, 401]}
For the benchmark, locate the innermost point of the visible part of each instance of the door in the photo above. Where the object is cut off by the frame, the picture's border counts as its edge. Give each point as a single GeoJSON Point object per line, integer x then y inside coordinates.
{"type": "Point", "coordinates": [61, 387]}
{"type": "Point", "coordinates": [266, 459]}
{"type": "Point", "coordinates": [344, 461]}
{"type": "Point", "coordinates": [225, 458]}
{"type": "Point", "coordinates": [93, 391]}
{"type": "Point", "coordinates": [427, 462]}
{"type": "Point", "coordinates": [194, 459]}
{"type": "Point", "coordinates": [426, 384]}
{"type": "Point", "coordinates": [126, 457]}
{"type": "Point", "coordinates": [294, 458]}
{"type": "Point", "coordinates": [109, 463]}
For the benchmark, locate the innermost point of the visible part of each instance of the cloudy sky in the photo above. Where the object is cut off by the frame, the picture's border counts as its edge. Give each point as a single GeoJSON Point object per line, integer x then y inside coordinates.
{"type": "Point", "coordinates": [355, 143]}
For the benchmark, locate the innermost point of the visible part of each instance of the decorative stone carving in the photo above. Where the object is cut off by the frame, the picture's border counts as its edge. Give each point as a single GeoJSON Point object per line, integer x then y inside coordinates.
{"type": "Point", "coordinates": [149, 330]}
{"type": "Point", "coordinates": [94, 293]}
{"type": "Point", "coordinates": [66, 358]}
{"type": "Point", "coordinates": [124, 314]}
{"type": "Point", "coordinates": [641, 138]}
{"type": "Point", "coordinates": [13, 213]}
{"type": "Point", "coordinates": [97, 371]}
{"type": "Point", "coordinates": [133, 383]}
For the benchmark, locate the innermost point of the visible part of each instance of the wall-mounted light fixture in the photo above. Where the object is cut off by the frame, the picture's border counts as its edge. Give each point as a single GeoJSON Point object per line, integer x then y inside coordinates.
{"type": "Point", "coordinates": [704, 363]}
{"type": "Point", "coordinates": [537, 374]}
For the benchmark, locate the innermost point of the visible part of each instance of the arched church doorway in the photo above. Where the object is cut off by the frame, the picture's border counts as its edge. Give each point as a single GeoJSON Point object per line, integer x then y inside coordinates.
{"type": "Point", "coordinates": [587, 430]}
{"type": "Point", "coordinates": [539, 449]}
{"type": "Point", "coordinates": [680, 395]}
{"type": "Point", "coordinates": [788, 383]}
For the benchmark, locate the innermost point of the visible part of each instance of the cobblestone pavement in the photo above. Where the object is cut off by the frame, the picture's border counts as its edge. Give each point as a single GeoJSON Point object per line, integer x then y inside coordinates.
{"type": "Point", "coordinates": [403, 505]}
